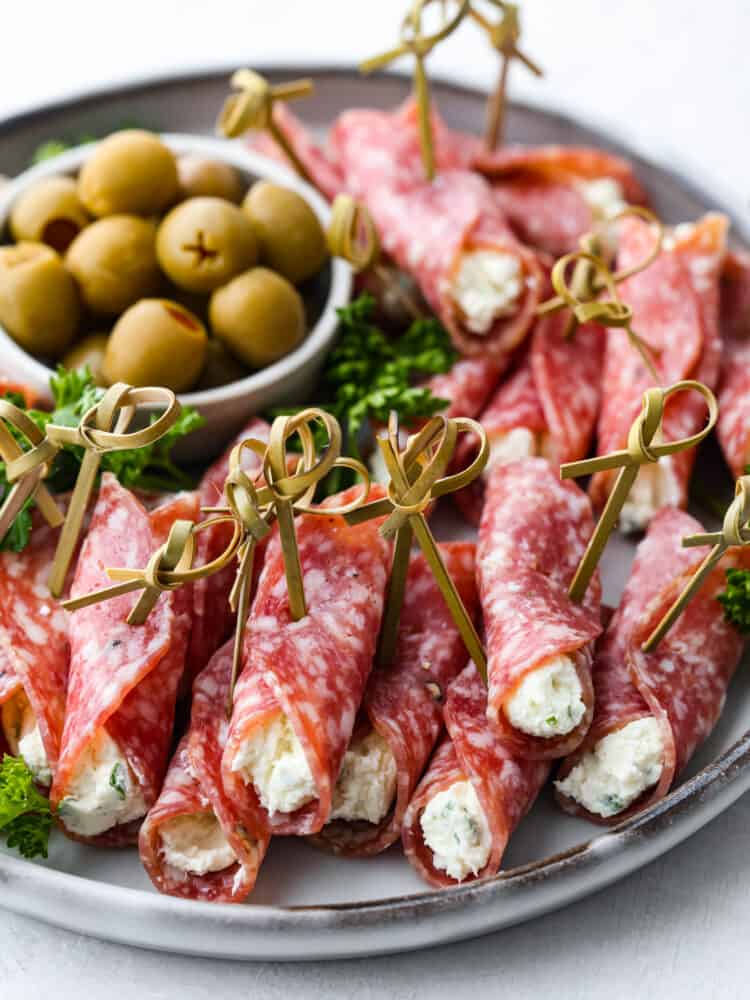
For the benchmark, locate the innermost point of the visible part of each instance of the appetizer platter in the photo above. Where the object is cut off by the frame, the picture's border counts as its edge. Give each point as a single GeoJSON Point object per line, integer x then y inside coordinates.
{"type": "Point", "coordinates": [432, 644]}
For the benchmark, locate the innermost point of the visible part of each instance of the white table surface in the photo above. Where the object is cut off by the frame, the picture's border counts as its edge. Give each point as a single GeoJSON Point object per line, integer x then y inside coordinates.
{"type": "Point", "coordinates": [670, 77]}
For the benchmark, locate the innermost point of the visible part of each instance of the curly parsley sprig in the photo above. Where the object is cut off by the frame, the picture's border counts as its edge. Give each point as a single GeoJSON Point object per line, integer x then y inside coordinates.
{"type": "Point", "coordinates": [152, 468]}
{"type": "Point", "coordinates": [25, 815]}
{"type": "Point", "coordinates": [368, 374]}
{"type": "Point", "coordinates": [736, 599]}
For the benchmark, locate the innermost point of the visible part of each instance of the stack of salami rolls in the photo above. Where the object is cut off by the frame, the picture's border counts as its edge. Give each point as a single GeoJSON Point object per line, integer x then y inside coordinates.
{"type": "Point", "coordinates": [323, 742]}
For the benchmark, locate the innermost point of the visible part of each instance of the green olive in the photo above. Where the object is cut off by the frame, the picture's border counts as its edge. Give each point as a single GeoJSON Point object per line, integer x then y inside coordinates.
{"type": "Point", "coordinates": [221, 368]}
{"type": "Point", "coordinates": [114, 262]}
{"type": "Point", "coordinates": [129, 172]}
{"type": "Point", "coordinates": [290, 235]}
{"type": "Point", "coordinates": [89, 352]}
{"type": "Point", "coordinates": [156, 342]}
{"type": "Point", "coordinates": [259, 316]}
{"type": "Point", "coordinates": [39, 304]}
{"type": "Point", "coordinates": [49, 212]}
{"type": "Point", "coordinates": [204, 242]}
{"type": "Point", "coordinates": [201, 177]}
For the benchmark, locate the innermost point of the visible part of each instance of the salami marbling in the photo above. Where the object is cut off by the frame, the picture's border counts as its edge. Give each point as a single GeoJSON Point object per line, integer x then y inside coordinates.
{"type": "Point", "coordinates": [123, 679]}
{"type": "Point", "coordinates": [34, 647]}
{"type": "Point", "coordinates": [506, 785]}
{"type": "Point", "coordinates": [212, 617]}
{"type": "Point", "coordinates": [733, 427]}
{"type": "Point", "coordinates": [310, 673]}
{"type": "Point", "coordinates": [683, 682]}
{"type": "Point", "coordinates": [675, 304]}
{"type": "Point", "coordinates": [193, 790]}
{"type": "Point", "coordinates": [402, 701]}
{"type": "Point", "coordinates": [544, 190]}
{"type": "Point", "coordinates": [532, 535]}
{"type": "Point", "coordinates": [553, 396]}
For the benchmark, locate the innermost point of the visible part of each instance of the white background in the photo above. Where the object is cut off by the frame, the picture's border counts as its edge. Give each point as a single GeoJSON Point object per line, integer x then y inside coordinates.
{"type": "Point", "coordinates": [672, 78]}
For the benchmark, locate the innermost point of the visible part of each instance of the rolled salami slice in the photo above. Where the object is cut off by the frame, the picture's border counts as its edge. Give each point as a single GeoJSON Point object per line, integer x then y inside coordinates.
{"type": "Point", "coordinates": [194, 842]}
{"type": "Point", "coordinates": [468, 385]}
{"type": "Point", "coordinates": [454, 240]}
{"type": "Point", "coordinates": [383, 149]}
{"type": "Point", "coordinates": [450, 235]}
{"type": "Point", "coordinates": [653, 709]}
{"type": "Point", "coordinates": [533, 533]}
{"type": "Point", "coordinates": [213, 619]}
{"type": "Point", "coordinates": [475, 793]}
{"type": "Point", "coordinates": [303, 681]}
{"type": "Point", "coordinates": [675, 304]}
{"type": "Point", "coordinates": [401, 714]}
{"type": "Point", "coordinates": [553, 194]}
{"type": "Point", "coordinates": [34, 654]}
{"type": "Point", "coordinates": [547, 407]}
{"type": "Point", "coordinates": [733, 427]}
{"type": "Point", "coordinates": [122, 683]}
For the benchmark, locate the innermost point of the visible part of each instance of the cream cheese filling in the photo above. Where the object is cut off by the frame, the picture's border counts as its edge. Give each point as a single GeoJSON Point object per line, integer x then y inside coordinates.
{"type": "Point", "coordinates": [455, 829]}
{"type": "Point", "coordinates": [487, 286]}
{"type": "Point", "coordinates": [274, 761]}
{"type": "Point", "coordinates": [103, 793]}
{"type": "Point", "coordinates": [24, 737]}
{"type": "Point", "coordinates": [366, 785]}
{"type": "Point", "coordinates": [196, 844]}
{"type": "Point", "coordinates": [656, 487]}
{"type": "Point", "coordinates": [549, 700]}
{"type": "Point", "coordinates": [618, 770]}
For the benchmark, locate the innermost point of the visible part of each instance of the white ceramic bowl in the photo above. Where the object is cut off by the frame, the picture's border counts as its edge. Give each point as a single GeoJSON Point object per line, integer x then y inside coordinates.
{"type": "Point", "coordinates": [225, 409]}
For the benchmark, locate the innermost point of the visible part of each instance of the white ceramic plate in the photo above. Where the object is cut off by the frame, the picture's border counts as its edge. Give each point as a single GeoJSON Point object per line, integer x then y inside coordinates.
{"type": "Point", "coordinates": [307, 905]}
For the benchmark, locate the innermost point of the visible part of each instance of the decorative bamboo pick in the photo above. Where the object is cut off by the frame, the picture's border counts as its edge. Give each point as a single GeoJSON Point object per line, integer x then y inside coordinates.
{"type": "Point", "coordinates": [417, 479]}
{"type": "Point", "coordinates": [419, 45]}
{"type": "Point", "coordinates": [735, 531]}
{"type": "Point", "coordinates": [640, 451]}
{"type": "Point", "coordinates": [102, 428]}
{"type": "Point", "coordinates": [592, 276]}
{"type": "Point", "coordinates": [252, 507]}
{"type": "Point", "coordinates": [252, 108]}
{"type": "Point", "coordinates": [31, 485]}
{"type": "Point", "coordinates": [504, 37]}
{"type": "Point", "coordinates": [352, 235]}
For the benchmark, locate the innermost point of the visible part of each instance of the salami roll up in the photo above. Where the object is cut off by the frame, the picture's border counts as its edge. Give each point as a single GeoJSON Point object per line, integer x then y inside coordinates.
{"type": "Point", "coordinates": [303, 681]}
{"type": "Point", "coordinates": [675, 303]}
{"type": "Point", "coordinates": [402, 714]}
{"type": "Point", "coordinates": [34, 654]}
{"type": "Point", "coordinates": [122, 683]}
{"type": "Point", "coordinates": [450, 235]}
{"type": "Point", "coordinates": [548, 406]}
{"type": "Point", "coordinates": [532, 535]}
{"type": "Point", "coordinates": [552, 195]}
{"type": "Point", "coordinates": [194, 842]}
{"type": "Point", "coordinates": [653, 709]}
{"type": "Point", "coordinates": [475, 793]}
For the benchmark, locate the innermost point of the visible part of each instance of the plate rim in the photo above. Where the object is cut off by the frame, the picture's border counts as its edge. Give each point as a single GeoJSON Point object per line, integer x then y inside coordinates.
{"type": "Point", "coordinates": [640, 839]}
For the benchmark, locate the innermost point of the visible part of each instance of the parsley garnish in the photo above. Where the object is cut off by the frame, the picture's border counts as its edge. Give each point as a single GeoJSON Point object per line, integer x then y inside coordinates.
{"type": "Point", "coordinates": [117, 780]}
{"type": "Point", "coordinates": [74, 392]}
{"type": "Point", "coordinates": [551, 720]}
{"type": "Point", "coordinates": [25, 815]}
{"type": "Point", "coordinates": [368, 374]}
{"type": "Point", "coordinates": [736, 599]}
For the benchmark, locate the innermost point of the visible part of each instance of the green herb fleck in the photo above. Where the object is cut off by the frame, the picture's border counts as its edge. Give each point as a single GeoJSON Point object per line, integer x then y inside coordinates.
{"type": "Point", "coordinates": [736, 599]}
{"type": "Point", "coordinates": [25, 815]}
{"type": "Point", "coordinates": [551, 720]}
{"type": "Point", "coordinates": [117, 780]}
{"type": "Point", "coordinates": [612, 804]}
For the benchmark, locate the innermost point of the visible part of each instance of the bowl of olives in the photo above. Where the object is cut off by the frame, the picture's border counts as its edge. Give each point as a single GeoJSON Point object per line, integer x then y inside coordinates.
{"type": "Point", "coordinates": [171, 260]}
